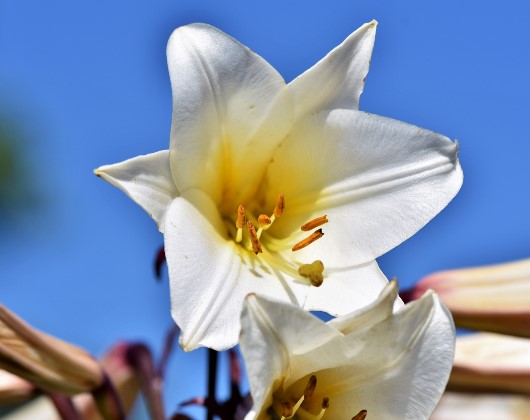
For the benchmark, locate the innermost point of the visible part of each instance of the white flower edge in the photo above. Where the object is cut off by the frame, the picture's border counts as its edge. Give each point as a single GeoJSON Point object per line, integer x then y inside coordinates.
{"type": "Point", "coordinates": [340, 75]}
{"type": "Point", "coordinates": [146, 180]}
{"type": "Point", "coordinates": [394, 365]}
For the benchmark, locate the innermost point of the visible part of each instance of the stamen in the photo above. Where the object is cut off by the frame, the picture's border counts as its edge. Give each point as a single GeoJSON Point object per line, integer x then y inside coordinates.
{"type": "Point", "coordinates": [310, 387]}
{"type": "Point", "coordinates": [324, 406]}
{"type": "Point", "coordinates": [308, 393]}
{"type": "Point", "coordinates": [317, 234]}
{"type": "Point", "coordinates": [297, 405]}
{"type": "Point", "coordinates": [240, 222]}
{"type": "Point", "coordinates": [361, 415]}
{"type": "Point", "coordinates": [280, 206]}
{"type": "Point", "coordinates": [263, 220]}
{"type": "Point", "coordinates": [268, 221]}
{"type": "Point", "coordinates": [313, 271]}
{"type": "Point", "coordinates": [319, 221]}
{"type": "Point", "coordinates": [287, 409]}
{"type": "Point", "coordinates": [256, 246]}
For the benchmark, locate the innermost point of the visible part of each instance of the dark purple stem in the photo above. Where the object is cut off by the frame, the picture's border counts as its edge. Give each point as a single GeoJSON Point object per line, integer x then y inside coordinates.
{"type": "Point", "coordinates": [65, 407]}
{"type": "Point", "coordinates": [167, 349]}
{"type": "Point", "coordinates": [160, 259]}
{"type": "Point", "coordinates": [212, 381]}
{"type": "Point", "coordinates": [108, 400]}
{"type": "Point", "coordinates": [140, 358]}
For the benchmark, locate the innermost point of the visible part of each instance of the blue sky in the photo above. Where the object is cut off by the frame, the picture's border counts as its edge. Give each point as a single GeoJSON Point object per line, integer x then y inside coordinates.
{"type": "Point", "coordinates": [85, 84]}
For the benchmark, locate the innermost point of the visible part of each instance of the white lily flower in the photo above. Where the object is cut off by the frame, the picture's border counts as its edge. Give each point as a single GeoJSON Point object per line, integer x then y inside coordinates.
{"type": "Point", "coordinates": [372, 362]}
{"type": "Point", "coordinates": [243, 145]}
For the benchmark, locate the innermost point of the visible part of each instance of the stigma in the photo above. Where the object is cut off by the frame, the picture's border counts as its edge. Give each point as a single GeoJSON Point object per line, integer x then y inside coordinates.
{"type": "Point", "coordinates": [314, 272]}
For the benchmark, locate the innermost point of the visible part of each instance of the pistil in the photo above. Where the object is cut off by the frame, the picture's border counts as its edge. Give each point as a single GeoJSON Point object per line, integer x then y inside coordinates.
{"type": "Point", "coordinates": [314, 272]}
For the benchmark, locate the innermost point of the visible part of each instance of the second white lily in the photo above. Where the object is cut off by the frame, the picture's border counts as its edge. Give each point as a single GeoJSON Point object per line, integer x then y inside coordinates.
{"type": "Point", "coordinates": [372, 363]}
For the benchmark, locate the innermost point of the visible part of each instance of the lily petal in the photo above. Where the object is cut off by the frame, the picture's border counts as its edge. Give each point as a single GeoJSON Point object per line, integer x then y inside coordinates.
{"type": "Point", "coordinates": [337, 80]}
{"type": "Point", "coordinates": [146, 180]}
{"type": "Point", "coordinates": [345, 290]}
{"type": "Point", "coordinates": [406, 375]}
{"type": "Point", "coordinates": [378, 180]}
{"type": "Point", "coordinates": [208, 279]}
{"type": "Point", "coordinates": [365, 317]}
{"type": "Point", "coordinates": [230, 111]}
{"type": "Point", "coordinates": [276, 330]}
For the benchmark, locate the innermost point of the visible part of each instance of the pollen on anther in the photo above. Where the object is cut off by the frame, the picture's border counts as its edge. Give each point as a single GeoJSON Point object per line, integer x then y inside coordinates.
{"type": "Point", "coordinates": [317, 234]}
{"type": "Point", "coordinates": [310, 387]}
{"type": "Point", "coordinates": [280, 206]}
{"type": "Point", "coordinates": [361, 415]}
{"type": "Point", "coordinates": [287, 409]}
{"type": "Point", "coordinates": [324, 406]}
{"type": "Point", "coordinates": [319, 221]}
{"type": "Point", "coordinates": [254, 240]}
{"type": "Point", "coordinates": [264, 220]}
{"type": "Point", "coordinates": [240, 217]}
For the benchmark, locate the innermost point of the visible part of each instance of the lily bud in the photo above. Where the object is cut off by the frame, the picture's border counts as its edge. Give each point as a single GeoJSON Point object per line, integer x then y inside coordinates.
{"type": "Point", "coordinates": [14, 390]}
{"type": "Point", "coordinates": [50, 364]}
{"type": "Point", "coordinates": [123, 378]}
{"type": "Point", "coordinates": [486, 362]}
{"type": "Point", "coordinates": [492, 298]}
{"type": "Point", "coordinates": [454, 405]}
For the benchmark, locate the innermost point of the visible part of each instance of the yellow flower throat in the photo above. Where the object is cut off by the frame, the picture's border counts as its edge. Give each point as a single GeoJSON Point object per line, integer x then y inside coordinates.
{"type": "Point", "coordinates": [246, 229]}
{"type": "Point", "coordinates": [300, 408]}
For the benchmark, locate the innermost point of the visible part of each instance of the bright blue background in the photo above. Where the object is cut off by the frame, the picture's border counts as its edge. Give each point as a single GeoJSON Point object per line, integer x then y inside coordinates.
{"type": "Point", "coordinates": [86, 84]}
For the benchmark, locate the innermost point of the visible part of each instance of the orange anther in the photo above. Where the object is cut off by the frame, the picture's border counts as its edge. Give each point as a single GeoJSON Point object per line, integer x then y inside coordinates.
{"type": "Point", "coordinates": [319, 221]}
{"type": "Point", "coordinates": [317, 234]}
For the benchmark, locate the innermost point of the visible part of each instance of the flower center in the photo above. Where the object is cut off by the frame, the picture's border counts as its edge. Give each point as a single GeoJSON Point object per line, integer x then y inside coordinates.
{"type": "Point", "coordinates": [305, 408]}
{"type": "Point", "coordinates": [250, 234]}
{"type": "Point", "coordinates": [289, 410]}
{"type": "Point", "coordinates": [264, 223]}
